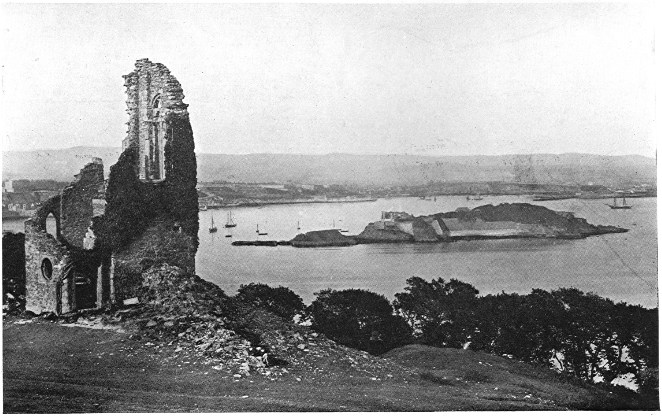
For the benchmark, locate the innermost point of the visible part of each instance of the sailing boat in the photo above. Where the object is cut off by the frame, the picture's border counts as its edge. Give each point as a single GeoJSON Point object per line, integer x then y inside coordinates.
{"type": "Point", "coordinates": [622, 206]}
{"type": "Point", "coordinates": [258, 231]}
{"type": "Point", "coordinates": [230, 223]}
{"type": "Point", "coordinates": [213, 228]}
{"type": "Point", "coordinates": [474, 197]}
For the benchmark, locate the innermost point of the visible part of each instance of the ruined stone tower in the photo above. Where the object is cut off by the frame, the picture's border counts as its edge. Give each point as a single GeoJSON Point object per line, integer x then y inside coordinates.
{"type": "Point", "coordinates": [153, 98]}
{"type": "Point", "coordinates": [152, 212]}
{"type": "Point", "coordinates": [146, 213]}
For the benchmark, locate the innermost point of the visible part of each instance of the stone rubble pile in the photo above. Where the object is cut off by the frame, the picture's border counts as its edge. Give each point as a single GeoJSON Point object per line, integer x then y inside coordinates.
{"type": "Point", "coordinates": [183, 317]}
{"type": "Point", "coordinates": [12, 304]}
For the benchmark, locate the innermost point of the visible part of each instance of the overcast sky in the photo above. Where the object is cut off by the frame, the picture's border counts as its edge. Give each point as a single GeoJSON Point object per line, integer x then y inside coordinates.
{"type": "Point", "coordinates": [437, 79]}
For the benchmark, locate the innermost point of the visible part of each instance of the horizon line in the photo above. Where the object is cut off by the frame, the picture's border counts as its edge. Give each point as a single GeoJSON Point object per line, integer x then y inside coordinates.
{"type": "Point", "coordinates": [355, 154]}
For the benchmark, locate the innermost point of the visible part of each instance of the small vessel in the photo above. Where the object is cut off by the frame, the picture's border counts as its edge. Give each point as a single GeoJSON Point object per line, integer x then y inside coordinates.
{"type": "Point", "coordinates": [213, 228]}
{"type": "Point", "coordinates": [228, 235]}
{"type": "Point", "coordinates": [230, 223]}
{"type": "Point", "coordinates": [474, 197]}
{"type": "Point", "coordinates": [298, 225]}
{"type": "Point", "coordinates": [258, 231]}
{"type": "Point", "coordinates": [615, 205]}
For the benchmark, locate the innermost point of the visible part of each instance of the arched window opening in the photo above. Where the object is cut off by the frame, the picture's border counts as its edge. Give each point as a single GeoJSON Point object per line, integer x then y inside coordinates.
{"type": "Point", "coordinates": [152, 168]}
{"type": "Point", "coordinates": [51, 225]}
{"type": "Point", "coordinates": [156, 105]}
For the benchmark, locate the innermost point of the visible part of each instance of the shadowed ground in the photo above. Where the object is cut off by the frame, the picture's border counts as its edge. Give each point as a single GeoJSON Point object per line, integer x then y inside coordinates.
{"type": "Point", "coordinates": [50, 368]}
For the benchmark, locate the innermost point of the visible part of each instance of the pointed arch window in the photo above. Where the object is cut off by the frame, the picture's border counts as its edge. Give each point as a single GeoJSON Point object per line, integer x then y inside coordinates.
{"type": "Point", "coordinates": [154, 168]}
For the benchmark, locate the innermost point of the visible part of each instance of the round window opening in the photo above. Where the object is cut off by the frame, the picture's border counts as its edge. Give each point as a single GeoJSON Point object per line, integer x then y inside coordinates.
{"type": "Point", "coordinates": [47, 269]}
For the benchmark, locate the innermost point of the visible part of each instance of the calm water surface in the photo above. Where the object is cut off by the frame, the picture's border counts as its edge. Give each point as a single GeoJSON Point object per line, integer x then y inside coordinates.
{"type": "Point", "coordinates": [622, 267]}
{"type": "Point", "coordinates": [618, 266]}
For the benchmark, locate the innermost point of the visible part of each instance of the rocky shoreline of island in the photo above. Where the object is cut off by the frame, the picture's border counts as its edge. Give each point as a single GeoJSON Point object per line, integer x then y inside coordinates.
{"type": "Point", "coordinates": [486, 222]}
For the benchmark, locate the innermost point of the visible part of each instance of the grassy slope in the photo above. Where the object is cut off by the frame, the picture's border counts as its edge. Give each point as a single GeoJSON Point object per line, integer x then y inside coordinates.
{"type": "Point", "coordinates": [53, 368]}
{"type": "Point", "coordinates": [500, 379]}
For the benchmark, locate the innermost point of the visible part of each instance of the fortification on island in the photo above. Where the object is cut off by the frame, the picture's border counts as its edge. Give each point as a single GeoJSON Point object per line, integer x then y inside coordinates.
{"type": "Point", "coordinates": [107, 231]}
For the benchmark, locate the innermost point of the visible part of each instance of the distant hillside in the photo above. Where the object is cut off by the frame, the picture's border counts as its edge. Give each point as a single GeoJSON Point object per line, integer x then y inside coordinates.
{"type": "Point", "coordinates": [56, 164]}
{"type": "Point", "coordinates": [571, 168]}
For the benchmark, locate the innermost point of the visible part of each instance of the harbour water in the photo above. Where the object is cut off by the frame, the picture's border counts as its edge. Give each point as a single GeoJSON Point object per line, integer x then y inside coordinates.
{"type": "Point", "coordinates": [622, 267]}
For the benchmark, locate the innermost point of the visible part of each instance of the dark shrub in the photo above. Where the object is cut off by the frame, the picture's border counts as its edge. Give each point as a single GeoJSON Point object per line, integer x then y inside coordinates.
{"type": "Point", "coordinates": [441, 313]}
{"type": "Point", "coordinates": [280, 300]}
{"type": "Point", "coordinates": [13, 270]}
{"type": "Point", "coordinates": [359, 319]}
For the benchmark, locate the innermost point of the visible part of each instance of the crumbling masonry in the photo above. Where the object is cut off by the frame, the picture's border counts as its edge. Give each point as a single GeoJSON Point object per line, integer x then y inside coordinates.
{"type": "Point", "coordinates": [109, 231]}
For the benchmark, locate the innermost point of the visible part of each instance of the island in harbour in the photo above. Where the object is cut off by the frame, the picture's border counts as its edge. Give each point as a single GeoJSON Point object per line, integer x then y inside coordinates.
{"type": "Point", "coordinates": [517, 220]}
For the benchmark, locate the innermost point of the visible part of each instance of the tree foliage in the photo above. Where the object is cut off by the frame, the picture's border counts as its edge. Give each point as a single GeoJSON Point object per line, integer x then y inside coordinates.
{"type": "Point", "coordinates": [280, 300]}
{"type": "Point", "coordinates": [441, 313]}
{"type": "Point", "coordinates": [581, 334]}
{"type": "Point", "coordinates": [359, 319]}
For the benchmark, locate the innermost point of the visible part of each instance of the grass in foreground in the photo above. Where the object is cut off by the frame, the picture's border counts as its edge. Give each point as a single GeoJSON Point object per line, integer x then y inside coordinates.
{"type": "Point", "coordinates": [51, 368]}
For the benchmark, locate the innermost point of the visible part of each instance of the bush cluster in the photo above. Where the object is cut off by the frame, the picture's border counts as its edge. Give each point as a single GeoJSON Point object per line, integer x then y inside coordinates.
{"type": "Point", "coordinates": [359, 319]}
{"type": "Point", "coordinates": [280, 301]}
{"type": "Point", "coordinates": [580, 334]}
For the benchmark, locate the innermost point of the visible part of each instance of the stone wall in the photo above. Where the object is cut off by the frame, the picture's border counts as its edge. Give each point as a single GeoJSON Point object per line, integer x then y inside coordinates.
{"type": "Point", "coordinates": [42, 290]}
{"type": "Point", "coordinates": [77, 208]}
{"type": "Point", "coordinates": [38, 220]}
{"type": "Point", "coordinates": [424, 232]}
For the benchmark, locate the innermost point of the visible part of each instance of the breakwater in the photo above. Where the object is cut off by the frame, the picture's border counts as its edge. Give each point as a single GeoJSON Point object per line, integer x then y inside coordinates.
{"type": "Point", "coordinates": [260, 243]}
